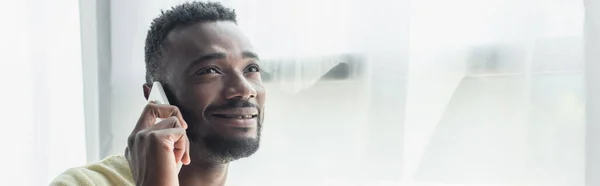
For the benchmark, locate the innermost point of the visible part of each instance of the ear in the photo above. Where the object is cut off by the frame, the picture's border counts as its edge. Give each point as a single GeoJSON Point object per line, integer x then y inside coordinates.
{"type": "Point", "coordinates": [147, 87]}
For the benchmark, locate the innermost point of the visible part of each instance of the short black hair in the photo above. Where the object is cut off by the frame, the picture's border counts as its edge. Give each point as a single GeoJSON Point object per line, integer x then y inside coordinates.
{"type": "Point", "coordinates": [181, 15]}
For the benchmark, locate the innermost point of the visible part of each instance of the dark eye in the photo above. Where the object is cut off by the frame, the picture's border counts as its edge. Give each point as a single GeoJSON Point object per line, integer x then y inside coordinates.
{"type": "Point", "coordinates": [253, 68]}
{"type": "Point", "coordinates": [208, 70]}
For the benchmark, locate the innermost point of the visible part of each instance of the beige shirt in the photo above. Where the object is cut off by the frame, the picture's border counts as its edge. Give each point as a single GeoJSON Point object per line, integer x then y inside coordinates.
{"type": "Point", "coordinates": [113, 170]}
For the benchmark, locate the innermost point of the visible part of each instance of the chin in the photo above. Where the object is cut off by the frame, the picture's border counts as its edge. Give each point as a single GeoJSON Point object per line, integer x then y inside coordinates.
{"type": "Point", "coordinates": [227, 148]}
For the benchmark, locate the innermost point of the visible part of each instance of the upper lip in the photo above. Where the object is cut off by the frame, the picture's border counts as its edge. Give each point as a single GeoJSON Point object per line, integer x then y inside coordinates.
{"type": "Point", "coordinates": [237, 112]}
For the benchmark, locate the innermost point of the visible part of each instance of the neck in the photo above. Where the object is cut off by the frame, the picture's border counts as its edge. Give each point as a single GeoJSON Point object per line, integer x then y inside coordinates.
{"type": "Point", "coordinates": [203, 174]}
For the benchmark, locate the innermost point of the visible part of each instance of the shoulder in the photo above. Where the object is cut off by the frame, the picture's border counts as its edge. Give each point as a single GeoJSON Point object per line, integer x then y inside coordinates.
{"type": "Point", "coordinates": [113, 170]}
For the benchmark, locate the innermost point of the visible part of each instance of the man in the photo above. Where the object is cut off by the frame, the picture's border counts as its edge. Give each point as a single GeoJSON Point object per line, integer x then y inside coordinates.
{"type": "Point", "coordinates": [212, 77]}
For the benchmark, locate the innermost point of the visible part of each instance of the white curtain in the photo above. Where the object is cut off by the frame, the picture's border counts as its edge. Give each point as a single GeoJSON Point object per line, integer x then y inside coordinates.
{"type": "Point", "coordinates": [592, 73]}
{"type": "Point", "coordinates": [42, 112]}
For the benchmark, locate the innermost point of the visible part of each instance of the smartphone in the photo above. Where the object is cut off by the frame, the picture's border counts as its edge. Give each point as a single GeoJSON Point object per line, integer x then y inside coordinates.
{"type": "Point", "coordinates": [157, 94]}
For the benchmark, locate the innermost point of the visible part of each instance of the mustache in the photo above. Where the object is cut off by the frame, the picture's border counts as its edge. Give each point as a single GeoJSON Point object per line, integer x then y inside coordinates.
{"type": "Point", "coordinates": [232, 104]}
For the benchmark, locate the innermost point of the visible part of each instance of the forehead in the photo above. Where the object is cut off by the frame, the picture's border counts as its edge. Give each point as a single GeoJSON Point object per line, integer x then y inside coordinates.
{"type": "Point", "coordinates": [207, 37]}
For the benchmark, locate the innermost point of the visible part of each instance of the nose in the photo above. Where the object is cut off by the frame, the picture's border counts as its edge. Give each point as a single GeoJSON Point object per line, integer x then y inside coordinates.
{"type": "Point", "coordinates": [238, 87]}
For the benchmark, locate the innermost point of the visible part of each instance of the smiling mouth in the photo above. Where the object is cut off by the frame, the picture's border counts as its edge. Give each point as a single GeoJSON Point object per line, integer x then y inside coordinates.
{"type": "Point", "coordinates": [235, 116]}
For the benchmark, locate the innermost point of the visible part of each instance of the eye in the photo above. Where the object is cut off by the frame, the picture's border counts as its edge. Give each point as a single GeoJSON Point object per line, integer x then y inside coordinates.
{"type": "Point", "coordinates": [253, 68]}
{"type": "Point", "coordinates": [207, 70]}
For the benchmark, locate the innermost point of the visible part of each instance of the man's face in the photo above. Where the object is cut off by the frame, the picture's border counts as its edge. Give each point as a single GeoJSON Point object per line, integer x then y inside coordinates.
{"type": "Point", "coordinates": [212, 74]}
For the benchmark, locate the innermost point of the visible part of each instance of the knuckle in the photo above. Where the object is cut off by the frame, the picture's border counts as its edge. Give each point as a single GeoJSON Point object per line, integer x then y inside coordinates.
{"type": "Point", "coordinates": [140, 137]}
{"type": "Point", "coordinates": [175, 109]}
{"type": "Point", "coordinates": [173, 118]}
{"type": "Point", "coordinates": [176, 121]}
{"type": "Point", "coordinates": [170, 120]}
{"type": "Point", "coordinates": [153, 135]}
{"type": "Point", "coordinates": [130, 140]}
{"type": "Point", "coordinates": [148, 107]}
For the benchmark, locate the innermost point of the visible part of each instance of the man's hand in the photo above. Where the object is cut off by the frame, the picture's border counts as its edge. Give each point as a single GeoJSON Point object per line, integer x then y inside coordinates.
{"type": "Point", "coordinates": [153, 151]}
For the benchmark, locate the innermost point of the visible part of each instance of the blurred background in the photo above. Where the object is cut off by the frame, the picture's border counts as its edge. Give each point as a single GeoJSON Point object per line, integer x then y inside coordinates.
{"type": "Point", "coordinates": [379, 92]}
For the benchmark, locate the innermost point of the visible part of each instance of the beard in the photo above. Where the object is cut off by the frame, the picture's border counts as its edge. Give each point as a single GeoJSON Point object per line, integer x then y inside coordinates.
{"type": "Point", "coordinates": [223, 150]}
{"type": "Point", "coordinates": [213, 148]}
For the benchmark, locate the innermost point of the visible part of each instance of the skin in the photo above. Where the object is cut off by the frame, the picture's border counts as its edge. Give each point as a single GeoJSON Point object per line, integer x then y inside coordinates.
{"type": "Point", "coordinates": [206, 64]}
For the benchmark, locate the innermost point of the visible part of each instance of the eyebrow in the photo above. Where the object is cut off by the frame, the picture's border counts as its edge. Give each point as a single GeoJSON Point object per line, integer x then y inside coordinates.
{"type": "Point", "coordinates": [221, 55]}
{"type": "Point", "coordinates": [248, 54]}
{"type": "Point", "coordinates": [208, 57]}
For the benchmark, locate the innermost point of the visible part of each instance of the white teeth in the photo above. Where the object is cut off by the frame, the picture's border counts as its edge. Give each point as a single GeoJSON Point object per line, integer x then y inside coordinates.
{"type": "Point", "coordinates": [243, 117]}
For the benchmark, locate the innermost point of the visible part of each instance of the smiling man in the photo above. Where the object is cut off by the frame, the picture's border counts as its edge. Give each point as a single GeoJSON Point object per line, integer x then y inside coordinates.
{"type": "Point", "coordinates": [211, 76]}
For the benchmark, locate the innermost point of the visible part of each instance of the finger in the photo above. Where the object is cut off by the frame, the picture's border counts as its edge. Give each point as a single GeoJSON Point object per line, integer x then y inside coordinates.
{"type": "Point", "coordinates": [180, 148]}
{"type": "Point", "coordinates": [164, 111]}
{"type": "Point", "coordinates": [171, 122]}
{"type": "Point", "coordinates": [186, 156]}
{"type": "Point", "coordinates": [153, 111]}
{"type": "Point", "coordinates": [171, 137]}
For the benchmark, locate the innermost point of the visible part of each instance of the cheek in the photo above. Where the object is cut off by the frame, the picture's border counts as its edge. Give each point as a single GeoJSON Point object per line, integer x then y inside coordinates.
{"type": "Point", "coordinates": [195, 98]}
{"type": "Point", "coordinates": [198, 98]}
{"type": "Point", "coordinates": [261, 94]}
{"type": "Point", "coordinates": [204, 95]}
